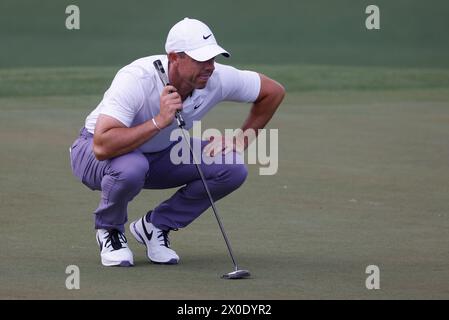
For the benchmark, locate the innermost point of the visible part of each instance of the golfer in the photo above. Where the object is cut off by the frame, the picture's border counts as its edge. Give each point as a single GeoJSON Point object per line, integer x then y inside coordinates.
{"type": "Point", "coordinates": [125, 144]}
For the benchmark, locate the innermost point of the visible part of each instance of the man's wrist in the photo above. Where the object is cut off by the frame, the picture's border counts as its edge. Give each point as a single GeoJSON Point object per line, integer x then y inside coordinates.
{"type": "Point", "coordinates": [245, 138]}
{"type": "Point", "coordinates": [156, 124]}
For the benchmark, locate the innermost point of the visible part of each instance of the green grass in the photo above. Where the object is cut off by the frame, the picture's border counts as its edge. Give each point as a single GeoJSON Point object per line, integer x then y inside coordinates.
{"type": "Point", "coordinates": [23, 82]}
{"type": "Point", "coordinates": [362, 180]}
{"type": "Point", "coordinates": [413, 32]}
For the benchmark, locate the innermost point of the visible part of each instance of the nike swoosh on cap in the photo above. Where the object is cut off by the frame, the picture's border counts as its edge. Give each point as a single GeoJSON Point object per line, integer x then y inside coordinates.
{"type": "Point", "coordinates": [205, 38]}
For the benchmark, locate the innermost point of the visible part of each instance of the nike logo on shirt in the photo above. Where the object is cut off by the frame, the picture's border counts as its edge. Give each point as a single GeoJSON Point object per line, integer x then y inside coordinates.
{"type": "Point", "coordinates": [197, 106]}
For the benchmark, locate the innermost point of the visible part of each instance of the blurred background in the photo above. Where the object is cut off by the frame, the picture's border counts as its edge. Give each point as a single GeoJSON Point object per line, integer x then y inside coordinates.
{"type": "Point", "coordinates": [413, 32]}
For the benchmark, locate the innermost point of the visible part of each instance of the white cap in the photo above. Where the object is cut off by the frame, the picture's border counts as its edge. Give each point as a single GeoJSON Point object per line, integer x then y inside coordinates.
{"type": "Point", "coordinates": [195, 39]}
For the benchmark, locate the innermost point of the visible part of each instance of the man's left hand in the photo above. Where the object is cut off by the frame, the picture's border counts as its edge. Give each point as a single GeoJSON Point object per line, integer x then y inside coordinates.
{"type": "Point", "coordinates": [224, 144]}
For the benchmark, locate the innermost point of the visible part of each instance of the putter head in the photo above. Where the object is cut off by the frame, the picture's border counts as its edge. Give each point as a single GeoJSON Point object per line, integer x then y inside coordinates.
{"type": "Point", "coordinates": [237, 274]}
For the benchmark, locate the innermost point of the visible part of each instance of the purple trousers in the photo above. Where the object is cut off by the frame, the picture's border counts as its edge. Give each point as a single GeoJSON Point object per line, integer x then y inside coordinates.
{"type": "Point", "coordinates": [121, 178]}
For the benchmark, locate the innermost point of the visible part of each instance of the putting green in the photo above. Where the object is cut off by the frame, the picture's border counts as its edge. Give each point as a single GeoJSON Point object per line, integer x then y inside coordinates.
{"type": "Point", "coordinates": [362, 180]}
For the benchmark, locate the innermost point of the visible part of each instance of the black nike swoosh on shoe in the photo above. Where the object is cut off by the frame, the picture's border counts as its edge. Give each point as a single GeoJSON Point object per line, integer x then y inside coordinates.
{"type": "Point", "coordinates": [205, 38]}
{"type": "Point", "coordinates": [148, 235]}
{"type": "Point", "coordinates": [101, 244]}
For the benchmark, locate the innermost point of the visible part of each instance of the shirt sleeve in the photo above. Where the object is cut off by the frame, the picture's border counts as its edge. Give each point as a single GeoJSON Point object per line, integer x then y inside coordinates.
{"type": "Point", "coordinates": [123, 99]}
{"type": "Point", "coordinates": [239, 85]}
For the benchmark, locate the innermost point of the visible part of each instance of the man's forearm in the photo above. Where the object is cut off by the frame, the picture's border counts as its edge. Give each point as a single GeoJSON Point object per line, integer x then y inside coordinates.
{"type": "Point", "coordinates": [117, 141]}
{"type": "Point", "coordinates": [264, 108]}
{"type": "Point", "coordinates": [260, 113]}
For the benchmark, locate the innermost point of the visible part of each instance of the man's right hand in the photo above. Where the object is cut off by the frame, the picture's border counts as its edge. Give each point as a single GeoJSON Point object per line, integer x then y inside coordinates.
{"type": "Point", "coordinates": [170, 102]}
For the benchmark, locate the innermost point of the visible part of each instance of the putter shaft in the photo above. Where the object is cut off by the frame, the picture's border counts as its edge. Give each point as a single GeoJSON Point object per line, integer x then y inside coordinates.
{"type": "Point", "coordinates": [181, 123]}
{"type": "Point", "coordinates": [214, 209]}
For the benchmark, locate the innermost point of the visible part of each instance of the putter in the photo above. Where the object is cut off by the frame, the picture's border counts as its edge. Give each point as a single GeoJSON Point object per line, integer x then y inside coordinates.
{"type": "Point", "coordinates": [237, 273]}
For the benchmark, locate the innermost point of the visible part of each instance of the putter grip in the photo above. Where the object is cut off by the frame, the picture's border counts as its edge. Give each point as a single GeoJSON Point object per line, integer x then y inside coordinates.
{"type": "Point", "coordinates": [164, 79]}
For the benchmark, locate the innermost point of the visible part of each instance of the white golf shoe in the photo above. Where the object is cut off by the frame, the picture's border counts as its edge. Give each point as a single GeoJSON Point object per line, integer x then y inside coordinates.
{"type": "Point", "coordinates": [114, 249]}
{"type": "Point", "coordinates": [156, 241]}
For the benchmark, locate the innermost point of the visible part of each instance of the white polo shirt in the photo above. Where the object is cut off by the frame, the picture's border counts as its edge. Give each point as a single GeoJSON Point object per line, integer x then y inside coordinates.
{"type": "Point", "coordinates": [133, 97]}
